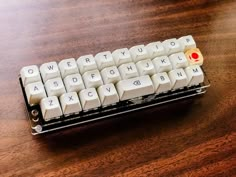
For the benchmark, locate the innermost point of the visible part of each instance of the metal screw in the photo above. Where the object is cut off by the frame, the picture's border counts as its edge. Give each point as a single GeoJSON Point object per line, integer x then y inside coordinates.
{"type": "Point", "coordinates": [35, 119]}
{"type": "Point", "coordinates": [34, 112]}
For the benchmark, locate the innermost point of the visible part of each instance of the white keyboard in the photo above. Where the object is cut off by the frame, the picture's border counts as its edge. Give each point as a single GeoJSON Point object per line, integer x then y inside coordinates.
{"type": "Point", "coordinates": [91, 87]}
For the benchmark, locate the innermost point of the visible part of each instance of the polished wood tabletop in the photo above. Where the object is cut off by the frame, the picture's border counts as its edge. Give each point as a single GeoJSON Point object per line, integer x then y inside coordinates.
{"type": "Point", "coordinates": [193, 137]}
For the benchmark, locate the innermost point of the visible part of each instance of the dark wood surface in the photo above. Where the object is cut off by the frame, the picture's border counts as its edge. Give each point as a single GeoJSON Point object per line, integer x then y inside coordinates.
{"type": "Point", "coordinates": [195, 137]}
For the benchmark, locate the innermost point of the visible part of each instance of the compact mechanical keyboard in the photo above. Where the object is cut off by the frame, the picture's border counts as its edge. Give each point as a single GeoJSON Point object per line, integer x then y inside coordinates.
{"type": "Point", "coordinates": [77, 91]}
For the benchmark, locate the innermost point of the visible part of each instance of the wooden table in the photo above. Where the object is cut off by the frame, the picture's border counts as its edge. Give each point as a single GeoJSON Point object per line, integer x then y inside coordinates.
{"type": "Point", "coordinates": [195, 137]}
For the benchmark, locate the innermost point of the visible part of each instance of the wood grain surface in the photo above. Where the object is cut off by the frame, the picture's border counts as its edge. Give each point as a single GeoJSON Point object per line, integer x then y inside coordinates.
{"type": "Point", "coordinates": [194, 137]}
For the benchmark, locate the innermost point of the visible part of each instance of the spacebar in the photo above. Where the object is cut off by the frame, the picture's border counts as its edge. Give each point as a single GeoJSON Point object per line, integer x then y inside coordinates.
{"type": "Point", "coordinates": [134, 87]}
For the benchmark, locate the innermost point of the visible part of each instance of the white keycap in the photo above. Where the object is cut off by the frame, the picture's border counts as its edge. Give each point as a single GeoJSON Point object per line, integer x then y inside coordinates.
{"type": "Point", "coordinates": [86, 63]}
{"type": "Point", "coordinates": [172, 46]}
{"type": "Point", "coordinates": [178, 60]}
{"type": "Point", "coordinates": [49, 71]}
{"type": "Point", "coordinates": [35, 92]}
{"type": "Point", "coordinates": [110, 75]}
{"type": "Point", "coordinates": [194, 74]}
{"type": "Point", "coordinates": [30, 74]}
{"type": "Point", "coordinates": [134, 87]}
{"type": "Point", "coordinates": [155, 49]}
{"type": "Point", "coordinates": [108, 94]}
{"type": "Point", "coordinates": [70, 103]}
{"type": "Point", "coordinates": [50, 108]}
{"type": "Point", "coordinates": [138, 53]}
{"type": "Point", "coordinates": [92, 79]}
{"type": "Point", "coordinates": [162, 64]}
{"type": "Point", "coordinates": [74, 83]}
{"type": "Point", "coordinates": [145, 67]}
{"type": "Point", "coordinates": [121, 56]}
{"type": "Point", "coordinates": [161, 82]}
{"type": "Point", "coordinates": [89, 99]}
{"type": "Point", "coordinates": [178, 78]}
{"type": "Point", "coordinates": [55, 87]}
{"type": "Point", "coordinates": [67, 67]}
{"type": "Point", "coordinates": [104, 59]}
{"type": "Point", "coordinates": [187, 42]}
{"type": "Point", "coordinates": [128, 70]}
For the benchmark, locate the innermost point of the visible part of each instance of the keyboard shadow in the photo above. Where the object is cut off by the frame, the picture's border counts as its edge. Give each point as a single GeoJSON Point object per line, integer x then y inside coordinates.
{"type": "Point", "coordinates": [103, 136]}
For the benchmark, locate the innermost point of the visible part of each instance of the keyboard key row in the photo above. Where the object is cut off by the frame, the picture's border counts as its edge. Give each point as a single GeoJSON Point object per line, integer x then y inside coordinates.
{"type": "Point", "coordinates": [162, 82]}
{"type": "Point", "coordinates": [71, 102]}
{"type": "Point", "coordinates": [111, 74]}
{"type": "Point", "coordinates": [116, 58]}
